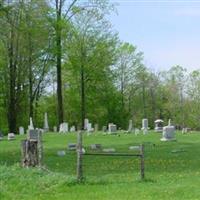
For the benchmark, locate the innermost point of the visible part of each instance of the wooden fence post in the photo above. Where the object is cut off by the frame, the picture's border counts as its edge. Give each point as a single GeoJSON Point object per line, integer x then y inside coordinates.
{"type": "Point", "coordinates": [79, 157]}
{"type": "Point", "coordinates": [142, 162]}
{"type": "Point", "coordinates": [40, 148]}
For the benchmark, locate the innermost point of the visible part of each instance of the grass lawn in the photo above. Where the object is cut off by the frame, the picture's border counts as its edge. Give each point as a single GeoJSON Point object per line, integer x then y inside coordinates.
{"type": "Point", "coordinates": [172, 170]}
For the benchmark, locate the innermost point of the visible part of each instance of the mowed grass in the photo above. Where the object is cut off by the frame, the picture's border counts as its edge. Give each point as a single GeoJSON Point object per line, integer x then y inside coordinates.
{"type": "Point", "coordinates": [172, 169]}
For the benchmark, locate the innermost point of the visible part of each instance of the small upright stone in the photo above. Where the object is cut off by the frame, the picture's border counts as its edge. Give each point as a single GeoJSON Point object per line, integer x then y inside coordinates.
{"type": "Point", "coordinates": [145, 126]}
{"type": "Point", "coordinates": [11, 136]}
{"type": "Point", "coordinates": [130, 126]}
{"type": "Point", "coordinates": [96, 127]}
{"type": "Point", "coordinates": [159, 125]}
{"type": "Point", "coordinates": [112, 128]}
{"type": "Point", "coordinates": [21, 130]}
{"type": "Point", "coordinates": [72, 129]}
{"type": "Point", "coordinates": [63, 128]}
{"type": "Point", "coordinates": [55, 129]}
{"type": "Point", "coordinates": [168, 133]}
{"type": "Point", "coordinates": [1, 136]}
{"type": "Point", "coordinates": [46, 124]}
{"type": "Point", "coordinates": [32, 135]}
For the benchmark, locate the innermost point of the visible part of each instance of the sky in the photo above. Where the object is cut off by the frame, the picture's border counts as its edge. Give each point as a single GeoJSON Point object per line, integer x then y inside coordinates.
{"type": "Point", "coordinates": [168, 32]}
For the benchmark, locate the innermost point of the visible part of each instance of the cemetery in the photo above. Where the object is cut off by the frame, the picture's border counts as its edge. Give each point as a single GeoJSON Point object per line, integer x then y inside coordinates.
{"type": "Point", "coordinates": [99, 100]}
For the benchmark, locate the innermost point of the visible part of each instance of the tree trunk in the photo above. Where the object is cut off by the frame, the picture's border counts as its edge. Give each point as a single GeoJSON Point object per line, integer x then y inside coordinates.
{"type": "Point", "coordinates": [12, 118]}
{"type": "Point", "coordinates": [82, 97]}
{"type": "Point", "coordinates": [58, 61]}
{"type": "Point", "coordinates": [29, 153]}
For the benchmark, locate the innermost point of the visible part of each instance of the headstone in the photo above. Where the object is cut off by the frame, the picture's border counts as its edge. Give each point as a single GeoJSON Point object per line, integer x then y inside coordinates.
{"type": "Point", "coordinates": [21, 130]}
{"type": "Point", "coordinates": [1, 136]}
{"type": "Point", "coordinates": [55, 129]}
{"type": "Point", "coordinates": [32, 135]}
{"type": "Point", "coordinates": [31, 127]}
{"type": "Point", "coordinates": [86, 121]}
{"type": "Point", "coordinates": [95, 146]}
{"type": "Point", "coordinates": [72, 129]}
{"type": "Point", "coordinates": [46, 125]}
{"type": "Point", "coordinates": [110, 150]}
{"type": "Point", "coordinates": [186, 130]}
{"type": "Point", "coordinates": [89, 127]}
{"type": "Point", "coordinates": [145, 126]}
{"type": "Point", "coordinates": [168, 133]}
{"type": "Point", "coordinates": [137, 131]}
{"type": "Point", "coordinates": [112, 128]}
{"type": "Point", "coordinates": [135, 148]}
{"type": "Point", "coordinates": [158, 125]}
{"type": "Point", "coordinates": [72, 146]}
{"type": "Point", "coordinates": [104, 128]}
{"type": "Point", "coordinates": [61, 153]}
{"type": "Point", "coordinates": [11, 136]}
{"type": "Point", "coordinates": [130, 126]}
{"type": "Point", "coordinates": [63, 128]}
{"type": "Point", "coordinates": [96, 127]}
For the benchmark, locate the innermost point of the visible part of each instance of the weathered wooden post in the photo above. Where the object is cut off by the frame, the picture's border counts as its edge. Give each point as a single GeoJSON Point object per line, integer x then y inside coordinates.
{"type": "Point", "coordinates": [79, 157]}
{"type": "Point", "coordinates": [142, 162]}
{"type": "Point", "coordinates": [40, 149]}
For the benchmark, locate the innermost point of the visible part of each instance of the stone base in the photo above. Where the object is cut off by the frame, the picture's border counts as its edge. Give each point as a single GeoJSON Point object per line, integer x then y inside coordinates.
{"type": "Point", "coordinates": [167, 139]}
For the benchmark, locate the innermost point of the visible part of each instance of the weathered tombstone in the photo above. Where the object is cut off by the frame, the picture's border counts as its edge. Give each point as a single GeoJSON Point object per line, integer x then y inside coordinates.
{"type": "Point", "coordinates": [145, 126]}
{"type": "Point", "coordinates": [63, 128]}
{"type": "Point", "coordinates": [11, 136]}
{"type": "Point", "coordinates": [86, 121]}
{"type": "Point", "coordinates": [32, 149]}
{"type": "Point", "coordinates": [72, 129]}
{"type": "Point", "coordinates": [61, 153]}
{"type": "Point", "coordinates": [130, 126]}
{"type": "Point", "coordinates": [95, 146]}
{"type": "Point", "coordinates": [32, 135]}
{"type": "Point", "coordinates": [137, 148]}
{"type": "Point", "coordinates": [186, 130]}
{"type": "Point", "coordinates": [104, 128]}
{"type": "Point", "coordinates": [55, 129]}
{"type": "Point", "coordinates": [137, 131]}
{"type": "Point", "coordinates": [1, 136]}
{"type": "Point", "coordinates": [89, 127]}
{"type": "Point", "coordinates": [159, 125]}
{"type": "Point", "coordinates": [72, 146]}
{"type": "Point", "coordinates": [96, 127]}
{"type": "Point", "coordinates": [46, 125]}
{"type": "Point", "coordinates": [168, 133]}
{"type": "Point", "coordinates": [109, 150]}
{"type": "Point", "coordinates": [21, 130]}
{"type": "Point", "coordinates": [31, 127]}
{"type": "Point", "coordinates": [112, 128]}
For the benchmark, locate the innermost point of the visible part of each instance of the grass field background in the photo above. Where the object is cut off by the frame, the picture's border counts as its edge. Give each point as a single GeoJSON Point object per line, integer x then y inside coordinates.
{"type": "Point", "coordinates": [172, 169]}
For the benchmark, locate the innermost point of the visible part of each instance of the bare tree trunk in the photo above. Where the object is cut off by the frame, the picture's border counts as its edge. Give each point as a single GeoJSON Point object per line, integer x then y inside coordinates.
{"type": "Point", "coordinates": [82, 97]}
{"type": "Point", "coordinates": [58, 62]}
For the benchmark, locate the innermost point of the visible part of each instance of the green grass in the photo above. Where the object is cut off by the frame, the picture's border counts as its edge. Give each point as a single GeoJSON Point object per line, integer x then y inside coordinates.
{"type": "Point", "coordinates": [168, 175]}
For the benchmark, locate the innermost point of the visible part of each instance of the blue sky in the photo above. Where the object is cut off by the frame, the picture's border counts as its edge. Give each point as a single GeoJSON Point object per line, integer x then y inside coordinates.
{"type": "Point", "coordinates": [168, 32]}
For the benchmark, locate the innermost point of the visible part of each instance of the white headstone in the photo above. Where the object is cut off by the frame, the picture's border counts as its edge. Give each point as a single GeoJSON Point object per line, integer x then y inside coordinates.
{"type": "Point", "coordinates": [21, 130]}
{"type": "Point", "coordinates": [11, 136]}
{"type": "Point", "coordinates": [112, 128]}
{"type": "Point", "coordinates": [55, 130]}
{"type": "Point", "coordinates": [46, 125]}
{"type": "Point", "coordinates": [72, 129]}
{"type": "Point", "coordinates": [168, 133]}
{"type": "Point", "coordinates": [63, 128]}
{"type": "Point", "coordinates": [145, 126]}
{"type": "Point", "coordinates": [86, 121]}
{"type": "Point", "coordinates": [158, 125]}
{"type": "Point", "coordinates": [130, 126]}
{"type": "Point", "coordinates": [31, 127]}
{"type": "Point", "coordinates": [96, 127]}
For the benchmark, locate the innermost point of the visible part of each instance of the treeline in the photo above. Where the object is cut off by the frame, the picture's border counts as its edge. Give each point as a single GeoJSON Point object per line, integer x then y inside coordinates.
{"type": "Point", "coordinates": [64, 58]}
